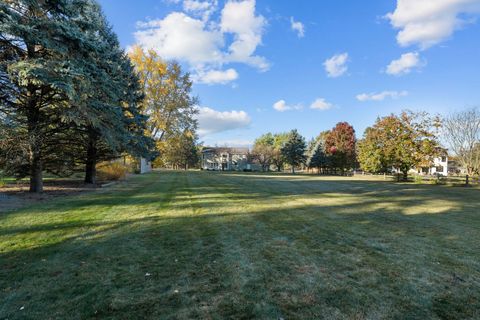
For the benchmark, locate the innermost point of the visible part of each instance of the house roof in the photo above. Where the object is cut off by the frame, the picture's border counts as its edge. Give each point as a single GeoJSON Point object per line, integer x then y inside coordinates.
{"type": "Point", "coordinates": [442, 151]}
{"type": "Point", "coordinates": [217, 150]}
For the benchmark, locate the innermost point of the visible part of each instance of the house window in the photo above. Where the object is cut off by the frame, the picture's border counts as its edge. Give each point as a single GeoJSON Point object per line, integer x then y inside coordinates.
{"type": "Point", "coordinates": [439, 168]}
{"type": "Point", "coordinates": [444, 159]}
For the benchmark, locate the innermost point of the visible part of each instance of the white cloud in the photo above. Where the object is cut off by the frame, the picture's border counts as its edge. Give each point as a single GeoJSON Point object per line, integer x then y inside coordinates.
{"type": "Point", "coordinates": [238, 17]}
{"type": "Point", "coordinates": [204, 44]}
{"type": "Point", "coordinates": [298, 27]}
{"type": "Point", "coordinates": [404, 64]}
{"type": "Point", "coordinates": [212, 121]}
{"type": "Point", "coordinates": [429, 22]}
{"type": "Point", "coordinates": [321, 104]}
{"type": "Point", "coordinates": [318, 104]}
{"type": "Point", "coordinates": [181, 37]}
{"type": "Point", "coordinates": [336, 65]}
{"type": "Point", "coordinates": [381, 95]}
{"type": "Point", "coordinates": [216, 76]}
{"type": "Point", "coordinates": [282, 106]}
{"type": "Point", "coordinates": [200, 8]}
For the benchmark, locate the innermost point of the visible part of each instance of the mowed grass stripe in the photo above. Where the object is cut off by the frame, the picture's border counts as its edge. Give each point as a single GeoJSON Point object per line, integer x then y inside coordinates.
{"type": "Point", "coordinates": [373, 248]}
{"type": "Point", "coordinates": [205, 245]}
{"type": "Point", "coordinates": [281, 258]}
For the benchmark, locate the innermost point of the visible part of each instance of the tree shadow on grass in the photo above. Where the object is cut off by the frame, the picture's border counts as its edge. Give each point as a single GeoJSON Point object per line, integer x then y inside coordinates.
{"type": "Point", "coordinates": [367, 258]}
{"type": "Point", "coordinates": [242, 187]}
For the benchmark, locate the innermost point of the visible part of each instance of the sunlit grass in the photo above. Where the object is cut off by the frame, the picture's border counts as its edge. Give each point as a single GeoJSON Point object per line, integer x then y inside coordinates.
{"type": "Point", "coordinates": [175, 245]}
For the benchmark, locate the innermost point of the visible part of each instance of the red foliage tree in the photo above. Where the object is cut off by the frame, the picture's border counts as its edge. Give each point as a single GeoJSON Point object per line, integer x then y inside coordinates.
{"type": "Point", "coordinates": [340, 144]}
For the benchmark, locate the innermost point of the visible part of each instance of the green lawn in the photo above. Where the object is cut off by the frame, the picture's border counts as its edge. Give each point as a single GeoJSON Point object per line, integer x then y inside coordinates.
{"type": "Point", "coordinates": [205, 245]}
{"type": "Point", "coordinates": [46, 177]}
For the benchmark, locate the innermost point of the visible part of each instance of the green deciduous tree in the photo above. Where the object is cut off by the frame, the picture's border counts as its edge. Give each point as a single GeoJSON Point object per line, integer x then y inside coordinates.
{"type": "Point", "coordinates": [370, 154]}
{"type": "Point", "coordinates": [294, 149]}
{"type": "Point", "coordinates": [279, 140]}
{"type": "Point", "coordinates": [401, 142]}
{"type": "Point", "coordinates": [264, 150]}
{"type": "Point", "coordinates": [182, 151]}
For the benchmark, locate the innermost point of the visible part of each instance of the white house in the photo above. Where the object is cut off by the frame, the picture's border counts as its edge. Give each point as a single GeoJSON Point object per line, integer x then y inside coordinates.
{"type": "Point", "coordinates": [225, 159]}
{"type": "Point", "coordinates": [439, 167]}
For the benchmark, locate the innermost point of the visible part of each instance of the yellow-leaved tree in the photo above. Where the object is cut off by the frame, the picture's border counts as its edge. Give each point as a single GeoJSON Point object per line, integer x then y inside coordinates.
{"type": "Point", "coordinates": [168, 98]}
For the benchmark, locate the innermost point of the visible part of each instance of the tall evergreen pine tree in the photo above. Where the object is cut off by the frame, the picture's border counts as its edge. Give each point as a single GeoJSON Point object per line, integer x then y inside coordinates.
{"type": "Point", "coordinates": [294, 150]}
{"type": "Point", "coordinates": [68, 93]}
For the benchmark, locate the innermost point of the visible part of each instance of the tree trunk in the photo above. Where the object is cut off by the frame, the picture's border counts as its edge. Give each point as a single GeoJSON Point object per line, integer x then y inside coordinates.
{"type": "Point", "coordinates": [36, 175]}
{"type": "Point", "coordinates": [91, 161]}
{"type": "Point", "coordinates": [405, 175]}
{"type": "Point", "coordinates": [36, 165]}
{"type": "Point", "coordinates": [293, 169]}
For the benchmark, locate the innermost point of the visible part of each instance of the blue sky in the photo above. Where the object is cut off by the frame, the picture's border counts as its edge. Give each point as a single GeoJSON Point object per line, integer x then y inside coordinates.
{"type": "Point", "coordinates": [276, 65]}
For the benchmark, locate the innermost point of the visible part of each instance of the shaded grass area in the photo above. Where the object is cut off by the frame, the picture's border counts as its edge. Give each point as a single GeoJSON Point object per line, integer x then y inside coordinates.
{"type": "Point", "coordinates": [14, 193]}
{"type": "Point", "coordinates": [46, 177]}
{"type": "Point", "coordinates": [205, 245]}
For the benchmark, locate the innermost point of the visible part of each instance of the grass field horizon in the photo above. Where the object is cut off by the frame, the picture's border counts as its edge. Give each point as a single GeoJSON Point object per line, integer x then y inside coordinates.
{"type": "Point", "coordinates": [212, 245]}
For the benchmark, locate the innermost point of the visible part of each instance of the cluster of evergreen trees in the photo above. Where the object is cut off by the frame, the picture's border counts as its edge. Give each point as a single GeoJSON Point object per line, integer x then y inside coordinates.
{"type": "Point", "coordinates": [69, 95]}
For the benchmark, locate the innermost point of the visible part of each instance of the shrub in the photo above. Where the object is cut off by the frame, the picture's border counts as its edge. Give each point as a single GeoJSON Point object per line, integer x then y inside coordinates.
{"type": "Point", "coordinates": [112, 171]}
{"type": "Point", "coordinates": [418, 179]}
{"type": "Point", "coordinates": [439, 179]}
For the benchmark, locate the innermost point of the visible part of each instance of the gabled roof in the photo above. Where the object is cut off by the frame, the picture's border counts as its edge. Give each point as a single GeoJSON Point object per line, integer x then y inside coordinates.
{"type": "Point", "coordinates": [218, 150]}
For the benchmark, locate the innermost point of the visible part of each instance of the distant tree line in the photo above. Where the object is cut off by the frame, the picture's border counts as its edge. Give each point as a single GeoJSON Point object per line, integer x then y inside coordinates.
{"type": "Point", "coordinates": [395, 142]}
{"type": "Point", "coordinates": [331, 151]}
{"type": "Point", "coordinates": [70, 97]}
